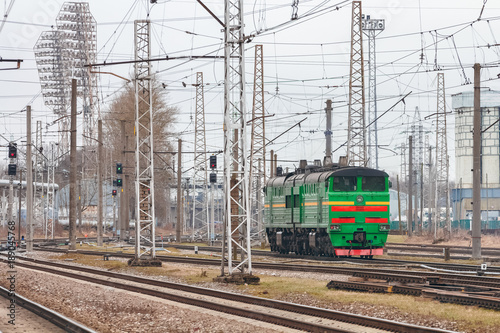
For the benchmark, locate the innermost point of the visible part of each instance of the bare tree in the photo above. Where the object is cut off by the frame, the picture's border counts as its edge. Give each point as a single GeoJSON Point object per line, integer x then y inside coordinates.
{"type": "Point", "coordinates": [164, 116]}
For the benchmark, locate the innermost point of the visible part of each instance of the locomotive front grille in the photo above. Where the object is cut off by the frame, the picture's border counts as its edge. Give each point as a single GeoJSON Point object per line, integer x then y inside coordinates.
{"type": "Point", "coordinates": [359, 237]}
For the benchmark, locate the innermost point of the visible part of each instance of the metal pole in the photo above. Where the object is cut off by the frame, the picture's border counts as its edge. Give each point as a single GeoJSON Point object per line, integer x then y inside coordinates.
{"type": "Point", "coordinates": [430, 201]}
{"type": "Point", "coordinates": [260, 207]}
{"type": "Point", "coordinates": [212, 214]}
{"type": "Point", "coordinates": [115, 226]}
{"type": "Point", "coordinates": [122, 219]}
{"type": "Point", "coordinates": [476, 165]}
{"type": "Point", "coordinates": [179, 192]}
{"type": "Point", "coordinates": [328, 133]}
{"type": "Point", "coordinates": [79, 204]}
{"type": "Point", "coordinates": [72, 174]}
{"type": "Point", "coordinates": [410, 189]}
{"type": "Point", "coordinates": [487, 202]}
{"type": "Point", "coordinates": [19, 208]}
{"type": "Point", "coordinates": [10, 207]}
{"type": "Point", "coordinates": [272, 166]}
{"type": "Point", "coordinates": [29, 184]}
{"type": "Point", "coordinates": [275, 163]}
{"type": "Point", "coordinates": [99, 183]}
{"type": "Point", "coordinates": [193, 209]}
{"type": "Point", "coordinates": [421, 223]}
{"type": "Point", "coordinates": [399, 208]}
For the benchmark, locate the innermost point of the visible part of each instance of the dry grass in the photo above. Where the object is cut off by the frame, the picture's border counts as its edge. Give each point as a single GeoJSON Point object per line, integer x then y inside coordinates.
{"type": "Point", "coordinates": [468, 318]}
{"type": "Point", "coordinates": [458, 238]}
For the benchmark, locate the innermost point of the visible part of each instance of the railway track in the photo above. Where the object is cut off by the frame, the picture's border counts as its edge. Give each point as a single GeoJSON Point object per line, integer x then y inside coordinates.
{"type": "Point", "coordinates": [483, 297]}
{"type": "Point", "coordinates": [393, 249]}
{"type": "Point", "coordinates": [379, 261]}
{"type": "Point", "coordinates": [55, 318]}
{"type": "Point", "coordinates": [394, 274]}
{"type": "Point", "coordinates": [464, 251]}
{"type": "Point", "coordinates": [144, 286]}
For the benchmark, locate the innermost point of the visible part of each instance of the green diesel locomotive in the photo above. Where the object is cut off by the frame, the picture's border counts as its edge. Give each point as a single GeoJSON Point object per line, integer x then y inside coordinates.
{"type": "Point", "coordinates": [336, 211]}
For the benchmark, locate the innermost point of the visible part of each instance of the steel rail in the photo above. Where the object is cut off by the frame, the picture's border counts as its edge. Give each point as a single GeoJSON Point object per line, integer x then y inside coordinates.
{"type": "Point", "coordinates": [368, 272]}
{"type": "Point", "coordinates": [380, 261]}
{"type": "Point", "coordinates": [54, 317]}
{"type": "Point", "coordinates": [489, 302]}
{"type": "Point", "coordinates": [274, 304]}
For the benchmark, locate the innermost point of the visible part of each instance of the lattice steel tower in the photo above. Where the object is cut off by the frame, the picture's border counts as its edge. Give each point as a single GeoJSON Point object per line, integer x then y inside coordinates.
{"type": "Point", "coordinates": [236, 171]}
{"type": "Point", "coordinates": [38, 188]}
{"type": "Point", "coordinates": [200, 219]}
{"type": "Point", "coordinates": [371, 28]}
{"type": "Point", "coordinates": [356, 132]}
{"type": "Point", "coordinates": [51, 193]}
{"type": "Point", "coordinates": [441, 152]}
{"type": "Point", "coordinates": [417, 130]}
{"type": "Point", "coordinates": [258, 144]}
{"type": "Point", "coordinates": [144, 166]}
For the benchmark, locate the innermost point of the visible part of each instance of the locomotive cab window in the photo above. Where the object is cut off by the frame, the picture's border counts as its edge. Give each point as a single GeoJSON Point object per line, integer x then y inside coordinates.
{"type": "Point", "coordinates": [343, 184]}
{"type": "Point", "coordinates": [373, 184]}
{"type": "Point", "coordinates": [296, 201]}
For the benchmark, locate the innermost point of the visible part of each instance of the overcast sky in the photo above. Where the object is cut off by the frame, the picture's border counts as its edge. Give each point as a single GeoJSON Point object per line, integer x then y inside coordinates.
{"type": "Point", "coordinates": [303, 59]}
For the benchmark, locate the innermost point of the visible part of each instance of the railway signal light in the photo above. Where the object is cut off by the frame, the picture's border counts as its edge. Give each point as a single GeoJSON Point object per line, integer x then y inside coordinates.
{"type": "Point", "coordinates": [213, 162]}
{"type": "Point", "coordinates": [12, 169]}
{"type": "Point", "coordinates": [119, 182]}
{"type": "Point", "coordinates": [12, 150]}
{"type": "Point", "coordinates": [113, 193]}
{"type": "Point", "coordinates": [213, 177]}
{"type": "Point", "coordinates": [119, 168]}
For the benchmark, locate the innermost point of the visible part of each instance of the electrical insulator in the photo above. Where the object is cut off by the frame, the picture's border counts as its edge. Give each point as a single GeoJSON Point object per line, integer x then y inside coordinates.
{"type": "Point", "coordinates": [213, 162]}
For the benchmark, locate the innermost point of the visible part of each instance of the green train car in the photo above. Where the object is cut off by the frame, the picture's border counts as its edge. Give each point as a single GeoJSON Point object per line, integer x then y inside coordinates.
{"type": "Point", "coordinates": [341, 211]}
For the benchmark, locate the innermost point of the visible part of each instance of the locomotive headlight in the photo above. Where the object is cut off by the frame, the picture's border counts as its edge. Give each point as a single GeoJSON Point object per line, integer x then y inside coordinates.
{"type": "Point", "coordinates": [359, 199]}
{"type": "Point", "coordinates": [335, 227]}
{"type": "Point", "coordinates": [384, 227]}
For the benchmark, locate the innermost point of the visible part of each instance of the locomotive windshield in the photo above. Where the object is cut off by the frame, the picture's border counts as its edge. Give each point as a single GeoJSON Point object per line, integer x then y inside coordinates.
{"type": "Point", "coordinates": [344, 184]}
{"type": "Point", "coordinates": [373, 184]}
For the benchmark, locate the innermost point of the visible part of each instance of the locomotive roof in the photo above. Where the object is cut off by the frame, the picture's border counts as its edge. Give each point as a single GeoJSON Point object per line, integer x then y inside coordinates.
{"type": "Point", "coordinates": [293, 179]}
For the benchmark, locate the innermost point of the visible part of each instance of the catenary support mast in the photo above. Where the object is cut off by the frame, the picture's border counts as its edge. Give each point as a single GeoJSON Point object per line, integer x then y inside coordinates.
{"type": "Point", "coordinates": [356, 133]}
{"type": "Point", "coordinates": [144, 166]}
{"type": "Point", "coordinates": [258, 145]}
{"type": "Point", "coordinates": [200, 218]}
{"type": "Point", "coordinates": [441, 153]}
{"type": "Point", "coordinates": [371, 28]}
{"type": "Point", "coordinates": [236, 173]}
{"type": "Point", "coordinates": [476, 165]}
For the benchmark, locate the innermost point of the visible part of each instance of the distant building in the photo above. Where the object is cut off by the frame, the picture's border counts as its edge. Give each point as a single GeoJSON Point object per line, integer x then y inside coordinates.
{"type": "Point", "coordinates": [461, 196]}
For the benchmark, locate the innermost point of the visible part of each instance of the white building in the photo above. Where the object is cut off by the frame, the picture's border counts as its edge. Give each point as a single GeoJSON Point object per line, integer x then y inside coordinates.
{"type": "Point", "coordinates": [463, 107]}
